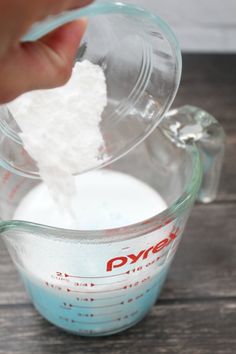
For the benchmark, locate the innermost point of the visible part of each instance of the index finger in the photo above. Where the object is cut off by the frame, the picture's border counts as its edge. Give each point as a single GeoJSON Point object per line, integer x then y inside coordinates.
{"type": "Point", "coordinates": [17, 16]}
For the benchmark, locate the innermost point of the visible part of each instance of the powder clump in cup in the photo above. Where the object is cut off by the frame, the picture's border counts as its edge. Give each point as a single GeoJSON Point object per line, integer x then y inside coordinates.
{"type": "Point", "coordinates": [61, 128]}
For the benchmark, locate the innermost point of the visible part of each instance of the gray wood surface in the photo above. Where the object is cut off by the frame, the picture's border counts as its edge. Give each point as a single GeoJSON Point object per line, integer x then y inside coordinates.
{"type": "Point", "coordinates": [185, 328]}
{"type": "Point", "coordinates": [197, 310]}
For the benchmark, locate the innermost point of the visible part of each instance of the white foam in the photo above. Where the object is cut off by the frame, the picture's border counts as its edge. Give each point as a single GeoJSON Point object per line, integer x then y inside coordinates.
{"type": "Point", "coordinates": [104, 199]}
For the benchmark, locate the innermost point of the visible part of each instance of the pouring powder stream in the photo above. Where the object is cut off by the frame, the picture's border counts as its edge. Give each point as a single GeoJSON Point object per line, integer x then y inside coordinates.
{"type": "Point", "coordinates": [61, 128]}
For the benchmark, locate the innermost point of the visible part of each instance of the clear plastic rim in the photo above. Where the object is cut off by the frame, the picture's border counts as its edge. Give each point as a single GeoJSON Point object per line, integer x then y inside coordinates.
{"type": "Point", "coordinates": [95, 9]}
{"type": "Point", "coordinates": [183, 203]}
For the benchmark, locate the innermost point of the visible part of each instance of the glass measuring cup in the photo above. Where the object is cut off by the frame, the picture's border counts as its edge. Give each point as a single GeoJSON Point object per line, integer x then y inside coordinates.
{"type": "Point", "coordinates": [95, 283]}
{"type": "Point", "coordinates": [142, 64]}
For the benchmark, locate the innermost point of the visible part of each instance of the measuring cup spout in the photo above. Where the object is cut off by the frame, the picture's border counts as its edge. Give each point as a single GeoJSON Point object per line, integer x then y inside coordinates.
{"type": "Point", "coordinates": [191, 125]}
{"type": "Point", "coordinates": [103, 281]}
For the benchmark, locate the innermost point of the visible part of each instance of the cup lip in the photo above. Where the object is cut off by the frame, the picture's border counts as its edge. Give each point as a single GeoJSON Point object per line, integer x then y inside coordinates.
{"type": "Point", "coordinates": [101, 8]}
{"type": "Point", "coordinates": [182, 204]}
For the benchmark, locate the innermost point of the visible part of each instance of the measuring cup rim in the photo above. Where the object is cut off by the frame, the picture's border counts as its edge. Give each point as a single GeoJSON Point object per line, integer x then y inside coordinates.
{"type": "Point", "coordinates": [136, 230]}
{"type": "Point", "coordinates": [101, 8]}
{"type": "Point", "coordinates": [104, 7]}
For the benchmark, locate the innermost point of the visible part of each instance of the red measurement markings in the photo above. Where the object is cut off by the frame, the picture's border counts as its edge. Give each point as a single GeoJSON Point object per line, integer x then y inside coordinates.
{"type": "Point", "coordinates": [66, 306]}
{"type": "Point", "coordinates": [16, 189]}
{"type": "Point", "coordinates": [96, 299]}
{"type": "Point", "coordinates": [126, 287]}
{"type": "Point", "coordinates": [95, 292]}
{"type": "Point", "coordinates": [119, 262]}
{"type": "Point", "coordinates": [69, 306]}
{"type": "Point", "coordinates": [91, 285]}
{"type": "Point", "coordinates": [85, 299]}
{"type": "Point", "coordinates": [160, 258]}
{"type": "Point", "coordinates": [98, 314]}
{"type": "Point", "coordinates": [118, 319]}
{"type": "Point", "coordinates": [65, 275]}
{"type": "Point", "coordinates": [85, 315]}
{"type": "Point", "coordinates": [154, 286]}
{"type": "Point", "coordinates": [6, 176]}
{"type": "Point", "coordinates": [53, 286]}
{"type": "Point", "coordinates": [136, 270]}
{"type": "Point", "coordinates": [66, 319]}
{"type": "Point", "coordinates": [60, 279]}
{"type": "Point", "coordinates": [137, 283]}
{"type": "Point", "coordinates": [149, 264]}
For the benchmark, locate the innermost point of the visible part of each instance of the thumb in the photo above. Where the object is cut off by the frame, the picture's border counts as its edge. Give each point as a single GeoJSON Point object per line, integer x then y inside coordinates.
{"type": "Point", "coordinates": [43, 64]}
{"type": "Point", "coordinates": [56, 52]}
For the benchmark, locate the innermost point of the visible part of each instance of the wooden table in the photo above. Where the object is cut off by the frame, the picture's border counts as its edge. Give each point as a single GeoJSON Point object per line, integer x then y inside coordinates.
{"type": "Point", "coordinates": [197, 310]}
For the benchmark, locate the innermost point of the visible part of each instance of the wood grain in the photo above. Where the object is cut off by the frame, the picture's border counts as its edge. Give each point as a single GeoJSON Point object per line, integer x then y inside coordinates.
{"type": "Point", "coordinates": [183, 328]}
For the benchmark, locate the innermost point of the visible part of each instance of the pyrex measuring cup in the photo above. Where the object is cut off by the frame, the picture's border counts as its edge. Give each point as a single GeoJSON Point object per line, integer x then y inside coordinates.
{"type": "Point", "coordinates": [142, 64]}
{"type": "Point", "coordinates": [101, 282]}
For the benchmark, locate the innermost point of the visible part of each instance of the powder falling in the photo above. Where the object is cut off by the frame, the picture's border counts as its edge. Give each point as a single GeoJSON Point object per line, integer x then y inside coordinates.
{"type": "Point", "coordinates": [61, 127]}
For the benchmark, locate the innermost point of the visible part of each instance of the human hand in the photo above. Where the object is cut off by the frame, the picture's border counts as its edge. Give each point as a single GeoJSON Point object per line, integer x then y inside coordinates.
{"type": "Point", "coordinates": [43, 64]}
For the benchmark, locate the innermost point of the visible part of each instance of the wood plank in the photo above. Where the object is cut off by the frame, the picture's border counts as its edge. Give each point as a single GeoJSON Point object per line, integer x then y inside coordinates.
{"type": "Point", "coordinates": [11, 288]}
{"type": "Point", "coordinates": [205, 264]}
{"type": "Point", "coordinates": [227, 188]}
{"type": "Point", "coordinates": [195, 327]}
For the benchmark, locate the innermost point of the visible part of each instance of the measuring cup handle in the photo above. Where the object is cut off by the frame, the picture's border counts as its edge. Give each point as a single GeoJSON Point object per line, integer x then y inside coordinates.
{"type": "Point", "coordinates": [190, 125]}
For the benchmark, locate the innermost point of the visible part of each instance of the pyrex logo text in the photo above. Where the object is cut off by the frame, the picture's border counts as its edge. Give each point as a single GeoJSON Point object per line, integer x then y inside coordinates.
{"type": "Point", "coordinates": [119, 262]}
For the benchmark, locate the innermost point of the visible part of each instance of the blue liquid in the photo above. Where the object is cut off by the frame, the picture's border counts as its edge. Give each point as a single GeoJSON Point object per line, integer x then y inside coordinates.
{"type": "Point", "coordinates": [87, 314]}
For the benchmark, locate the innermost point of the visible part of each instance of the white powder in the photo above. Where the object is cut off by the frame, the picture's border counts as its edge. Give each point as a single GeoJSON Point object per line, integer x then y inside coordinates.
{"type": "Point", "coordinates": [61, 127]}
